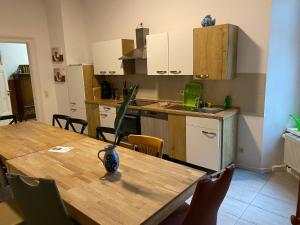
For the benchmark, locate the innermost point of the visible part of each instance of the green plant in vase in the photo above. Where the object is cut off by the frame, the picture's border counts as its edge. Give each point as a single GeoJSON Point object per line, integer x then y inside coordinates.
{"type": "Point", "coordinates": [297, 121]}
{"type": "Point", "coordinates": [111, 159]}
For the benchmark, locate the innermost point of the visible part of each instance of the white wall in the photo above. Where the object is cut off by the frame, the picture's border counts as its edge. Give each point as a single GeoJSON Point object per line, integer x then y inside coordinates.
{"type": "Point", "coordinates": [283, 80]}
{"type": "Point", "coordinates": [118, 19]}
{"type": "Point", "coordinates": [26, 20]}
{"type": "Point", "coordinates": [13, 55]}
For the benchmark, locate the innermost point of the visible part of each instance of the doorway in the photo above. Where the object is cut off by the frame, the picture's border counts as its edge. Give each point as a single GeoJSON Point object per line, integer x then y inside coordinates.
{"type": "Point", "coordinates": [15, 82]}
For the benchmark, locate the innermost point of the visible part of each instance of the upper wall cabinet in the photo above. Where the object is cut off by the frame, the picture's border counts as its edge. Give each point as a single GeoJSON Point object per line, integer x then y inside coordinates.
{"type": "Point", "coordinates": [157, 54]}
{"type": "Point", "coordinates": [106, 56]}
{"type": "Point", "coordinates": [181, 52]}
{"type": "Point", "coordinates": [170, 53]}
{"type": "Point", "coordinates": [215, 52]}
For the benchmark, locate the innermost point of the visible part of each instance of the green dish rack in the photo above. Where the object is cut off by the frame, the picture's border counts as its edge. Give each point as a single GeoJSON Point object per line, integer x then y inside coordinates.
{"type": "Point", "coordinates": [193, 91]}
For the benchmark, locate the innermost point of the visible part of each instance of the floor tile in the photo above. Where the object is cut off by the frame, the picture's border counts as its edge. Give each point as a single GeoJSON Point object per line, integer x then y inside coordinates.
{"type": "Point", "coordinates": [279, 207]}
{"type": "Point", "coordinates": [242, 192]}
{"type": "Point", "coordinates": [243, 222]}
{"type": "Point", "coordinates": [261, 217]}
{"type": "Point", "coordinates": [233, 206]}
{"type": "Point", "coordinates": [282, 191]}
{"type": "Point", "coordinates": [226, 219]}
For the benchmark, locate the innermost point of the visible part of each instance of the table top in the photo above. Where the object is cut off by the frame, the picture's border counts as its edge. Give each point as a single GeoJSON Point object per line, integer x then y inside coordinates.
{"type": "Point", "coordinates": [145, 190]}
{"type": "Point", "coordinates": [27, 137]}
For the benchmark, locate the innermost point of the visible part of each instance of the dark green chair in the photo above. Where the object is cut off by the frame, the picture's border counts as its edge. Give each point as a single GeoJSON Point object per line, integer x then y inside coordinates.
{"type": "Point", "coordinates": [39, 201]}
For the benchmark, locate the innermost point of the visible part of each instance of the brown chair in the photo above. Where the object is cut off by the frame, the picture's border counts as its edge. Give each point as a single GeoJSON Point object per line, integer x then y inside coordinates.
{"type": "Point", "coordinates": [73, 121]}
{"type": "Point", "coordinates": [12, 118]}
{"type": "Point", "coordinates": [57, 118]}
{"type": "Point", "coordinates": [147, 144]}
{"type": "Point", "coordinates": [208, 196]}
{"type": "Point", "coordinates": [295, 220]}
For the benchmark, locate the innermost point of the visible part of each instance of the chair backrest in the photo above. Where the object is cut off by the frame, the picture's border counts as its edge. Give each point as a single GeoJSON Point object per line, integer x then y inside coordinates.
{"type": "Point", "coordinates": [147, 144]}
{"type": "Point", "coordinates": [73, 121]}
{"type": "Point", "coordinates": [209, 195]}
{"type": "Point", "coordinates": [39, 201]}
{"type": "Point", "coordinates": [13, 118]}
{"type": "Point", "coordinates": [58, 118]}
{"type": "Point", "coordinates": [3, 181]}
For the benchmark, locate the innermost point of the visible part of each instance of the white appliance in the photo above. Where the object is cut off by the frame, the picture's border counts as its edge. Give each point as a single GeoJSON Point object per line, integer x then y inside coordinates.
{"type": "Point", "coordinates": [203, 142]}
{"type": "Point", "coordinates": [5, 107]}
{"type": "Point", "coordinates": [75, 79]}
{"type": "Point", "coordinates": [292, 151]}
{"type": "Point", "coordinates": [107, 119]}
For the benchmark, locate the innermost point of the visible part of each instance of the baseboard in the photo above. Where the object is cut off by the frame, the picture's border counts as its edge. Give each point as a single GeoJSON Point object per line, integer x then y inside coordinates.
{"type": "Point", "coordinates": [257, 170]}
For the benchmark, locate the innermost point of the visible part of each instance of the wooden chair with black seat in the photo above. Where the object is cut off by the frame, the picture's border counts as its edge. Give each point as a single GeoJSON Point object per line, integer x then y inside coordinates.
{"type": "Point", "coordinates": [73, 122]}
{"type": "Point", "coordinates": [208, 196]}
{"type": "Point", "coordinates": [12, 119]}
{"type": "Point", "coordinates": [38, 201]}
{"type": "Point", "coordinates": [59, 118]}
{"type": "Point", "coordinates": [147, 144]}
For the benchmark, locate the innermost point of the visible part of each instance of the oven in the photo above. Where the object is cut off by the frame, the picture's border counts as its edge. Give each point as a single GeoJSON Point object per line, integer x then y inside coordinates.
{"type": "Point", "coordinates": [131, 123]}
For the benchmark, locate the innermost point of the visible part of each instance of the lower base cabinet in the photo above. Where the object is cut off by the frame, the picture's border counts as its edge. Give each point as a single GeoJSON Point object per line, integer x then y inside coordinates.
{"type": "Point", "coordinates": [203, 142]}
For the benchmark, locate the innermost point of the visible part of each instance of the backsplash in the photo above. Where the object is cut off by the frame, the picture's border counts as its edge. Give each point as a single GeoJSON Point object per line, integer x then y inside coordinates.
{"type": "Point", "coordinates": [247, 90]}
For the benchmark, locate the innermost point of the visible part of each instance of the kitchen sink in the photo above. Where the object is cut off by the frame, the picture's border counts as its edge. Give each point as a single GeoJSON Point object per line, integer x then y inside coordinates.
{"type": "Point", "coordinates": [212, 110]}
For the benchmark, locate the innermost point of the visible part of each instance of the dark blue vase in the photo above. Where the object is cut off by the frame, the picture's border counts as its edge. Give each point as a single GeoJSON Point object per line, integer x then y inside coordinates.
{"type": "Point", "coordinates": [111, 159]}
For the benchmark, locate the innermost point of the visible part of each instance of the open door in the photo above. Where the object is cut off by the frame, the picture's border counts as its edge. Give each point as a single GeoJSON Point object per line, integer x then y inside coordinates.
{"type": "Point", "coordinates": [5, 105]}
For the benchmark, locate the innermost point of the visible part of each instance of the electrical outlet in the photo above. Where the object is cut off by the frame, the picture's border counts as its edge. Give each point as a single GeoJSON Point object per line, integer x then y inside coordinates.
{"type": "Point", "coordinates": [180, 92]}
{"type": "Point", "coordinates": [241, 150]}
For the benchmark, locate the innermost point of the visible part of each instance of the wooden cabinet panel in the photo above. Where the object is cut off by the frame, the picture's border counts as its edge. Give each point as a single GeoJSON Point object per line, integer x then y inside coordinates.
{"type": "Point", "coordinates": [177, 137]}
{"type": "Point", "coordinates": [93, 118]}
{"type": "Point", "coordinates": [215, 50]}
{"type": "Point", "coordinates": [157, 54]}
{"type": "Point", "coordinates": [181, 52]}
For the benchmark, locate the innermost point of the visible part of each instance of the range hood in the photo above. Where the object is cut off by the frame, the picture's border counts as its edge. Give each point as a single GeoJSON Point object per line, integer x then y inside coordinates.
{"type": "Point", "coordinates": [140, 52]}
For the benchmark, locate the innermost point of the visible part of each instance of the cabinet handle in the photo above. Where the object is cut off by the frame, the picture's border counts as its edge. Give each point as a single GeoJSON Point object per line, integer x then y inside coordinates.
{"type": "Point", "coordinates": [73, 110]}
{"type": "Point", "coordinates": [209, 134]}
{"type": "Point", "coordinates": [161, 71]}
{"type": "Point", "coordinates": [112, 72]}
{"type": "Point", "coordinates": [107, 109]}
{"type": "Point", "coordinates": [175, 71]}
{"type": "Point", "coordinates": [103, 115]}
{"type": "Point", "coordinates": [102, 72]}
{"type": "Point", "coordinates": [73, 103]}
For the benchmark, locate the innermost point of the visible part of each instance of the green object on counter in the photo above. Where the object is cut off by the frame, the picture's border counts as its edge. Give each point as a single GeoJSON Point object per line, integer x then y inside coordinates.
{"type": "Point", "coordinates": [297, 121]}
{"type": "Point", "coordinates": [193, 91]}
{"type": "Point", "coordinates": [227, 102]}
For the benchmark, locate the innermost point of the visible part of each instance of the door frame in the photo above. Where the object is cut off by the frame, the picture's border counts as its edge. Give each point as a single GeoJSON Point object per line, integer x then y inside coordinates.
{"type": "Point", "coordinates": [35, 79]}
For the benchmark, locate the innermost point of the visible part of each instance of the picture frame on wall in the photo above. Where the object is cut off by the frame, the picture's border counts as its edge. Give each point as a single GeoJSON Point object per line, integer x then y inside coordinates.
{"type": "Point", "coordinates": [59, 75]}
{"type": "Point", "coordinates": [57, 55]}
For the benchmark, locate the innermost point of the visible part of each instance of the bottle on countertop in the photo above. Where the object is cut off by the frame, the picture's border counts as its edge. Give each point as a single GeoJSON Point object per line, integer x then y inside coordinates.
{"type": "Point", "coordinates": [227, 102]}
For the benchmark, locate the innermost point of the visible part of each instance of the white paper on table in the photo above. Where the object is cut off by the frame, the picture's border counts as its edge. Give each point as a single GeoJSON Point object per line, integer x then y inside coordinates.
{"type": "Point", "coordinates": [60, 149]}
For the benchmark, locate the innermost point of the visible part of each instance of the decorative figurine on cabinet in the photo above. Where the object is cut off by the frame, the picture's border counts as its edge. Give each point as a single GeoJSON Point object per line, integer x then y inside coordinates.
{"type": "Point", "coordinates": [208, 21]}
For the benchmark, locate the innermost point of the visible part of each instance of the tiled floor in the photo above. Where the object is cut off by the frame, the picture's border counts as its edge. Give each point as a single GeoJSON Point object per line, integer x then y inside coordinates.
{"type": "Point", "coordinates": [259, 199]}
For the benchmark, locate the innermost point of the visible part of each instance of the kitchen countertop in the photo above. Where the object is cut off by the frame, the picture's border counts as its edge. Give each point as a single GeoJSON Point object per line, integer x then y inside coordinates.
{"type": "Point", "coordinates": [157, 108]}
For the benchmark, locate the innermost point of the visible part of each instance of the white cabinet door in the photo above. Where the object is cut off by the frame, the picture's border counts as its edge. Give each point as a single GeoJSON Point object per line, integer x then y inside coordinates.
{"type": "Point", "coordinates": [157, 54]}
{"type": "Point", "coordinates": [181, 52]}
{"type": "Point", "coordinates": [5, 106]}
{"type": "Point", "coordinates": [107, 119]}
{"type": "Point", "coordinates": [76, 86]}
{"type": "Point", "coordinates": [106, 56]}
{"type": "Point", "coordinates": [203, 144]}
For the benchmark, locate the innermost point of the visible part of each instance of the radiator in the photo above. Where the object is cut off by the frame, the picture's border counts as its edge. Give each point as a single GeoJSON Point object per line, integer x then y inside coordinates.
{"type": "Point", "coordinates": [292, 151]}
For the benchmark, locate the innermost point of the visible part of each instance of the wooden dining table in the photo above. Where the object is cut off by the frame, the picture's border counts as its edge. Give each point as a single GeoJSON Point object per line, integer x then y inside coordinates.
{"type": "Point", "coordinates": [145, 190]}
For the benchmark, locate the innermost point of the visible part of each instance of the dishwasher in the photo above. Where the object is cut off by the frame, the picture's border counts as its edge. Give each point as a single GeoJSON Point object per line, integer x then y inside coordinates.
{"type": "Point", "coordinates": [155, 124]}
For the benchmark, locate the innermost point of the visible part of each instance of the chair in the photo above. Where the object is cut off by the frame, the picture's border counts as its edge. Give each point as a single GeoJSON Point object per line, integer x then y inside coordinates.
{"type": "Point", "coordinates": [83, 124]}
{"type": "Point", "coordinates": [101, 130]}
{"type": "Point", "coordinates": [209, 194]}
{"type": "Point", "coordinates": [58, 117]}
{"type": "Point", "coordinates": [39, 201]}
{"type": "Point", "coordinates": [147, 144]}
{"type": "Point", "coordinates": [13, 118]}
{"type": "Point", "coordinates": [295, 219]}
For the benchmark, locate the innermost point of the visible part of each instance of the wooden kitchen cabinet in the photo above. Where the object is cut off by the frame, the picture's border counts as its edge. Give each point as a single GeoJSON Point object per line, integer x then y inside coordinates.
{"type": "Point", "coordinates": [181, 52]}
{"type": "Point", "coordinates": [157, 54]}
{"type": "Point", "coordinates": [93, 118]}
{"type": "Point", "coordinates": [177, 137]}
{"type": "Point", "coordinates": [106, 56]}
{"type": "Point", "coordinates": [215, 52]}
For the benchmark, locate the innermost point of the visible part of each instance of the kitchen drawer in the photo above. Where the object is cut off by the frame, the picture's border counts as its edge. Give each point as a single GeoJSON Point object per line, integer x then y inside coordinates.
{"type": "Point", "coordinates": [107, 109]}
{"type": "Point", "coordinates": [202, 122]}
{"type": "Point", "coordinates": [107, 119]}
